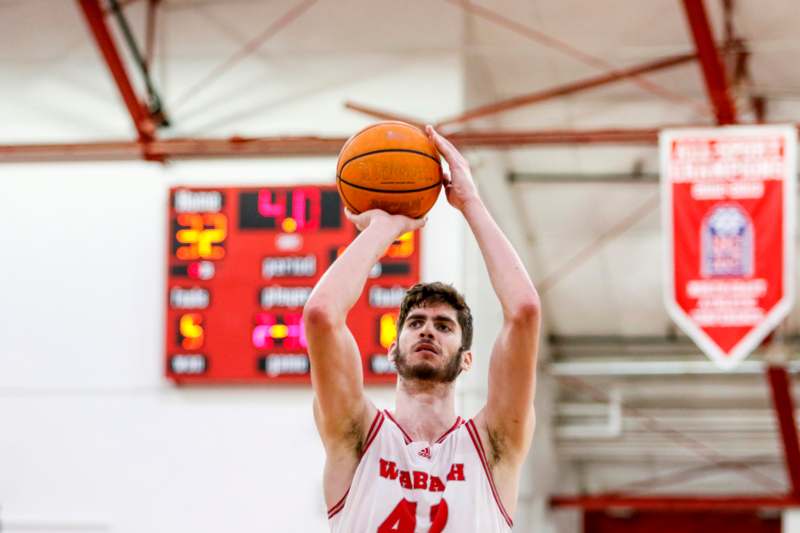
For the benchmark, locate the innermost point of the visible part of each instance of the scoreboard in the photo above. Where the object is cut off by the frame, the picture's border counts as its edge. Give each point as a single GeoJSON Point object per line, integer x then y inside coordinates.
{"type": "Point", "coordinates": [241, 265]}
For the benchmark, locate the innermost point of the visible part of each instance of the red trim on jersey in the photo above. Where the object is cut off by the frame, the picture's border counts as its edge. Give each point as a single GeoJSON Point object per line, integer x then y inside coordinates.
{"type": "Point", "coordinates": [377, 422]}
{"type": "Point", "coordinates": [476, 440]}
{"type": "Point", "coordinates": [457, 423]}
{"type": "Point", "coordinates": [378, 417]}
{"type": "Point", "coordinates": [405, 435]}
{"type": "Point", "coordinates": [373, 432]}
{"type": "Point", "coordinates": [446, 433]}
{"type": "Point", "coordinates": [338, 506]}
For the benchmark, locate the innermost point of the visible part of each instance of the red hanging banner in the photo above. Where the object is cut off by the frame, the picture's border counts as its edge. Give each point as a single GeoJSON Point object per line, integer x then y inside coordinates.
{"type": "Point", "coordinates": [728, 211]}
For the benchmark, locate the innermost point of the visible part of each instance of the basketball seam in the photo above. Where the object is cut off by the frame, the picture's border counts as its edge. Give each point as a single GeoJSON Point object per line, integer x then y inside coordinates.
{"type": "Point", "coordinates": [387, 191]}
{"type": "Point", "coordinates": [352, 137]}
{"type": "Point", "coordinates": [346, 201]}
{"type": "Point", "coordinates": [404, 150]}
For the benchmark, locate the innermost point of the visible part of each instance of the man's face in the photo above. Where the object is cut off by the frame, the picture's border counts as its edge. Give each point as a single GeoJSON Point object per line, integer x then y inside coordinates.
{"type": "Point", "coordinates": [429, 345]}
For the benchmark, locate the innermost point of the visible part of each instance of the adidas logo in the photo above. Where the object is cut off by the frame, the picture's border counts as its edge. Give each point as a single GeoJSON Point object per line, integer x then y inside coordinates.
{"type": "Point", "coordinates": [425, 452]}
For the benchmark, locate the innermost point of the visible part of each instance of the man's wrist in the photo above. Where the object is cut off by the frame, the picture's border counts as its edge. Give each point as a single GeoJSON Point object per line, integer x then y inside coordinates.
{"type": "Point", "coordinates": [471, 203]}
{"type": "Point", "coordinates": [387, 224]}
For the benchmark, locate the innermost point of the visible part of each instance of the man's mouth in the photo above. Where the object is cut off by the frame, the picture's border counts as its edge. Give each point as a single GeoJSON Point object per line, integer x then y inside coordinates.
{"type": "Point", "coordinates": [426, 347]}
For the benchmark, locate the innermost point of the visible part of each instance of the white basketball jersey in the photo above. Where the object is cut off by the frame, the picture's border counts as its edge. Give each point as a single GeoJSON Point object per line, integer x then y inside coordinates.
{"type": "Point", "coordinates": [401, 486]}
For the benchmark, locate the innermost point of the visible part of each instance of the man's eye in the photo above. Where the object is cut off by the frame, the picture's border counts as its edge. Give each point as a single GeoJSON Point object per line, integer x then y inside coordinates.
{"type": "Point", "coordinates": [444, 327]}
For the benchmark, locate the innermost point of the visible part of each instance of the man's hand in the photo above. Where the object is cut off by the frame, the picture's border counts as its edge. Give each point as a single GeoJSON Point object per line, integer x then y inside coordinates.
{"type": "Point", "coordinates": [400, 223]}
{"type": "Point", "coordinates": [458, 185]}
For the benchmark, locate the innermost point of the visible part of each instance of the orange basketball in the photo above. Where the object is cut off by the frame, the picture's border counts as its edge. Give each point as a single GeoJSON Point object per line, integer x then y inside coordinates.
{"type": "Point", "coordinates": [392, 166]}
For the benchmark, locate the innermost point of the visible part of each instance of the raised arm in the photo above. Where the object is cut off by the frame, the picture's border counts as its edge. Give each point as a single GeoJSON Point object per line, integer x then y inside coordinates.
{"type": "Point", "coordinates": [508, 416]}
{"type": "Point", "coordinates": [340, 407]}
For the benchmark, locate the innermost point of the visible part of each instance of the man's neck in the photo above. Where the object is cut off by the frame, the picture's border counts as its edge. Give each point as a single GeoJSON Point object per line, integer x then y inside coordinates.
{"type": "Point", "coordinates": [425, 410]}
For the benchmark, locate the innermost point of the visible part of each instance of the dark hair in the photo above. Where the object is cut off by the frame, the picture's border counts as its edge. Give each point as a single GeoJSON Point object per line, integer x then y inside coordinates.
{"type": "Point", "coordinates": [424, 294]}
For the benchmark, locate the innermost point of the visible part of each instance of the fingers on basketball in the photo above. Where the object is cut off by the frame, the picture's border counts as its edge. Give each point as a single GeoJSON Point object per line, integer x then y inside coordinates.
{"type": "Point", "coordinates": [445, 147]}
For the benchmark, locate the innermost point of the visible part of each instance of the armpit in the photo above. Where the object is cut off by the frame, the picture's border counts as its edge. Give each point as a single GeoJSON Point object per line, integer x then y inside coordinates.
{"type": "Point", "coordinates": [497, 445]}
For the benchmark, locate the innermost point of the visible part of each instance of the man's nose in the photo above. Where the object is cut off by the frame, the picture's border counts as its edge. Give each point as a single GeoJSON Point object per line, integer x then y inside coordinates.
{"type": "Point", "coordinates": [426, 330]}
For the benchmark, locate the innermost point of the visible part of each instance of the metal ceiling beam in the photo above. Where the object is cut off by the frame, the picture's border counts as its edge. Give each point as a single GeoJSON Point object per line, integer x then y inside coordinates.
{"type": "Point", "coordinates": [556, 44]}
{"type": "Point", "coordinates": [535, 97]}
{"type": "Point", "coordinates": [579, 178]}
{"type": "Point", "coordinates": [695, 502]}
{"type": "Point", "coordinates": [574, 178]}
{"type": "Point", "coordinates": [145, 128]}
{"type": "Point", "coordinates": [579, 344]}
{"type": "Point", "coordinates": [783, 403]}
{"type": "Point", "coordinates": [510, 139]}
{"type": "Point", "coordinates": [381, 114]}
{"type": "Point", "coordinates": [174, 149]}
{"type": "Point", "coordinates": [301, 146]}
{"type": "Point", "coordinates": [567, 89]}
{"type": "Point", "coordinates": [659, 368]}
{"type": "Point", "coordinates": [280, 146]}
{"type": "Point", "coordinates": [642, 455]}
{"type": "Point", "coordinates": [155, 108]}
{"type": "Point", "coordinates": [713, 69]}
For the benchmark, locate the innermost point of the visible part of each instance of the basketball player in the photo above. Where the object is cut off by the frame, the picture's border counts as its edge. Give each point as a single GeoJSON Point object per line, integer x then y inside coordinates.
{"type": "Point", "coordinates": [422, 468]}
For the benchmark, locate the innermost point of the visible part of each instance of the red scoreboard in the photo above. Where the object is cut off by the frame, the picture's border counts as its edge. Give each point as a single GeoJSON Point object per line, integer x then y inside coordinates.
{"type": "Point", "coordinates": [241, 265]}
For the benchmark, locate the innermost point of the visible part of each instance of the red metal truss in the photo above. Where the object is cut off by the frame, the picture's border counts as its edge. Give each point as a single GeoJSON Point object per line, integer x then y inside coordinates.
{"type": "Point", "coordinates": [174, 148]}
{"type": "Point", "coordinates": [556, 44]}
{"type": "Point", "coordinates": [567, 89]}
{"type": "Point", "coordinates": [783, 403]}
{"type": "Point", "coordinates": [144, 125]}
{"type": "Point", "coordinates": [511, 139]}
{"type": "Point", "coordinates": [713, 69]}
{"type": "Point", "coordinates": [307, 146]}
{"type": "Point", "coordinates": [380, 114]}
{"type": "Point", "coordinates": [676, 503]}
{"type": "Point", "coordinates": [301, 146]}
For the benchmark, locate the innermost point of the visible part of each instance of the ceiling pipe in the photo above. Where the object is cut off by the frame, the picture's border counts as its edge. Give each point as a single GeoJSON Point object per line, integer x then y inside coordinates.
{"type": "Point", "coordinates": [678, 503]}
{"type": "Point", "coordinates": [658, 368]}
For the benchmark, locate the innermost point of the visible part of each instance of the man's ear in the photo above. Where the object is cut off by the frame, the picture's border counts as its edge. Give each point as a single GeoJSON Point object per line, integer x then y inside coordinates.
{"type": "Point", "coordinates": [390, 353]}
{"type": "Point", "coordinates": [466, 360]}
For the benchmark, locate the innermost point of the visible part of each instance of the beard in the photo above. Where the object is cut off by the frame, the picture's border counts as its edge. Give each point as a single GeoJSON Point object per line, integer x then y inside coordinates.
{"type": "Point", "coordinates": [425, 371]}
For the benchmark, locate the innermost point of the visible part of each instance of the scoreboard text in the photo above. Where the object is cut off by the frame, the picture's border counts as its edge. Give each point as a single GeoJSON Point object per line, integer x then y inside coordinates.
{"type": "Point", "coordinates": [241, 265]}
